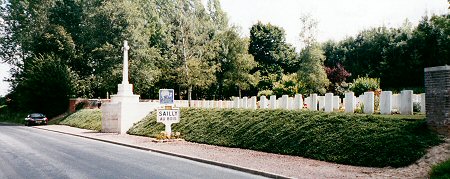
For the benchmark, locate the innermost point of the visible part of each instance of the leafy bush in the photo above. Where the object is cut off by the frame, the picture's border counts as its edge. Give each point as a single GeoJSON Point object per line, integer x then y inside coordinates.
{"type": "Point", "coordinates": [362, 140]}
{"type": "Point", "coordinates": [11, 116]}
{"type": "Point", "coordinates": [364, 84]}
{"type": "Point", "coordinates": [85, 119]}
{"type": "Point", "coordinates": [441, 171]}
{"type": "Point", "coordinates": [265, 93]}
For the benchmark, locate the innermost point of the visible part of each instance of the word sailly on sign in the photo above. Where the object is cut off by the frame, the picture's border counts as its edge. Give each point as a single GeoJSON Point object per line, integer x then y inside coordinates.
{"type": "Point", "coordinates": [168, 115]}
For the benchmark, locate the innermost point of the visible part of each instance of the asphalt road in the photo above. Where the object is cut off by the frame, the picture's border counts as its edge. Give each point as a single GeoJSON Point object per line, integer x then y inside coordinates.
{"type": "Point", "coordinates": [26, 152]}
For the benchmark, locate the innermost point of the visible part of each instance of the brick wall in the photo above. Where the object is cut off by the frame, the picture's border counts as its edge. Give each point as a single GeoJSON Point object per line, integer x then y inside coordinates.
{"type": "Point", "coordinates": [437, 85]}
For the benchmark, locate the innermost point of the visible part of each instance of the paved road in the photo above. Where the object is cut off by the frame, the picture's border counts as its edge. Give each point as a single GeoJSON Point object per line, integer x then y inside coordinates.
{"type": "Point", "coordinates": [26, 152]}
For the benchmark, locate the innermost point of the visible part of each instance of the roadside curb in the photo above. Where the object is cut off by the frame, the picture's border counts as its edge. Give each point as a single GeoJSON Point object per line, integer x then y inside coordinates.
{"type": "Point", "coordinates": [220, 164]}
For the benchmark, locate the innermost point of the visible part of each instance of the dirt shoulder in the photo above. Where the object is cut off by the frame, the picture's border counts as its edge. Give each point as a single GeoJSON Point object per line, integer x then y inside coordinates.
{"type": "Point", "coordinates": [283, 165]}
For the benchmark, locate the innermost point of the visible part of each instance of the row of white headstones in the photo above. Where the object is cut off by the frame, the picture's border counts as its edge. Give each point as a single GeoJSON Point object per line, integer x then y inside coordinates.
{"type": "Point", "coordinates": [388, 102]}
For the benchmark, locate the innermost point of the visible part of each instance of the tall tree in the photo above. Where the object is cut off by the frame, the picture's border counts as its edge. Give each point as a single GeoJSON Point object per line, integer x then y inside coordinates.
{"type": "Point", "coordinates": [271, 52]}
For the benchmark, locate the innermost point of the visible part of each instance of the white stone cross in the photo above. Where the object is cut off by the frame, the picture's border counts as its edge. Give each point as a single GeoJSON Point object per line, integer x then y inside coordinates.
{"type": "Point", "coordinates": [125, 49]}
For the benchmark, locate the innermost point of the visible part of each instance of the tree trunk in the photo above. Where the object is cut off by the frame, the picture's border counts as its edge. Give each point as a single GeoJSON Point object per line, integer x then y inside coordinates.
{"type": "Point", "coordinates": [189, 95]}
{"type": "Point", "coordinates": [239, 89]}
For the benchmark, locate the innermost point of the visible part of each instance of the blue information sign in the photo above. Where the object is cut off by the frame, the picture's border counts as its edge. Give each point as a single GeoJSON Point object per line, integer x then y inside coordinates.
{"type": "Point", "coordinates": [166, 96]}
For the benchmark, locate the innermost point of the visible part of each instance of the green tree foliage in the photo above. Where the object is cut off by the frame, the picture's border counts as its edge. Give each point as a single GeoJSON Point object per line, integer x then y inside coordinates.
{"type": "Point", "coordinates": [274, 56]}
{"type": "Point", "coordinates": [288, 85]}
{"type": "Point", "coordinates": [395, 55]}
{"type": "Point", "coordinates": [45, 86]}
{"type": "Point", "coordinates": [311, 74]}
{"type": "Point", "coordinates": [235, 65]}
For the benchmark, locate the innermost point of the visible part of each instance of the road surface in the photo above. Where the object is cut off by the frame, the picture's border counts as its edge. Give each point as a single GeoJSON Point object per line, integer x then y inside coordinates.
{"type": "Point", "coordinates": [27, 152]}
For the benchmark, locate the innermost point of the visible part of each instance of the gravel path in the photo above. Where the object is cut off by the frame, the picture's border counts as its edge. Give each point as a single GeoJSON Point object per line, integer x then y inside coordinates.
{"type": "Point", "coordinates": [283, 165]}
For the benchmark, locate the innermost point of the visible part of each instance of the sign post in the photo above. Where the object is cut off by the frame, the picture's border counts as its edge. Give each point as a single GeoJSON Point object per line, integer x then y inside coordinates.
{"type": "Point", "coordinates": [167, 115]}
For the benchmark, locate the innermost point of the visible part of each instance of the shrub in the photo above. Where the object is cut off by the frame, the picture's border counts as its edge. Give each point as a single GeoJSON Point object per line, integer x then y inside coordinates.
{"type": "Point", "coordinates": [354, 139]}
{"type": "Point", "coordinates": [265, 93]}
{"type": "Point", "coordinates": [364, 84]}
{"type": "Point", "coordinates": [441, 171]}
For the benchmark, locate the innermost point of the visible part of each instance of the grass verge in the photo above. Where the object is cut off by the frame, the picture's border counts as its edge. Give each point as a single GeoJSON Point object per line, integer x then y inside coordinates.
{"type": "Point", "coordinates": [354, 139]}
{"type": "Point", "coordinates": [441, 171]}
{"type": "Point", "coordinates": [85, 119]}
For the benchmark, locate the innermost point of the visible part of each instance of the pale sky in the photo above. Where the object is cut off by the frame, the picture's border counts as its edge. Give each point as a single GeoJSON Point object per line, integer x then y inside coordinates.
{"type": "Point", "coordinates": [337, 18]}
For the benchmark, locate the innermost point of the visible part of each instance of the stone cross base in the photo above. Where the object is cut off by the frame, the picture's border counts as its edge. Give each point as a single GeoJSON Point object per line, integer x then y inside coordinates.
{"type": "Point", "coordinates": [120, 117]}
{"type": "Point", "coordinates": [124, 89]}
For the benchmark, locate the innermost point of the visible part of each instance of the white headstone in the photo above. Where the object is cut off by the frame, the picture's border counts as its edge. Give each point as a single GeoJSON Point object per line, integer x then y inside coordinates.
{"type": "Point", "coordinates": [349, 102]}
{"type": "Point", "coordinates": [369, 102]}
{"type": "Point", "coordinates": [298, 101]}
{"type": "Point", "coordinates": [328, 106]}
{"type": "Point", "coordinates": [284, 101]}
{"type": "Point", "coordinates": [253, 102]}
{"type": "Point", "coordinates": [236, 102]}
{"type": "Point", "coordinates": [406, 103]}
{"type": "Point", "coordinates": [422, 103]}
{"type": "Point", "coordinates": [263, 102]}
{"type": "Point", "coordinates": [336, 102]}
{"type": "Point", "coordinates": [245, 102]}
{"type": "Point", "coordinates": [313, 102]}
{"type": "Point", "coordinates": [386, 102]}
{"type": "Point", "coordinates": [322, 102]}
{"type": "Point", "coordinates": [396, 102]}
{"type": "Point", "coordinates": [273, 102]}
{"type": "Point", "coordinates": [290, 103]}
{"type": "Point", "coordinates": [220, 106]}
{"type": "Point", "coordinates": [307, 102]}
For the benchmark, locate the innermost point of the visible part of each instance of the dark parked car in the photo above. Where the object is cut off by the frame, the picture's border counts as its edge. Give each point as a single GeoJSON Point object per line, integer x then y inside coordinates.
{"type": "Point", "coordinates": [36, 118]}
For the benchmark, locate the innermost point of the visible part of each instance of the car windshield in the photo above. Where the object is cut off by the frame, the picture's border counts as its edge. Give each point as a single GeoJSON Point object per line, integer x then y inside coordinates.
{"type": "Point", "coordinates": [36, 115]}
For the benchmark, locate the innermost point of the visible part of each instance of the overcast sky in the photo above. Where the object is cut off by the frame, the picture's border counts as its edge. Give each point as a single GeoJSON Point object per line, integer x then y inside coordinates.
{"type": "Point", "coordinates": [337, 18]}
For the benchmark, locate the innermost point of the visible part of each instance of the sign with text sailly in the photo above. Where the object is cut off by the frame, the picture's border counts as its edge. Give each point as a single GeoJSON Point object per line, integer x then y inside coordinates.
{"type": "Point", "coordinates": [168, 115]}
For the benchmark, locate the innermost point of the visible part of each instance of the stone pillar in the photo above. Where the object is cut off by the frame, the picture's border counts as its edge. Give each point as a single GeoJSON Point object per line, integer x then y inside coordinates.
{"type": "Point", "coordinates": [386, 102]}
{"type": "Point", "coordinates": [284, 102]}
{"type": "Point", "coordinates": [298, 101]}
{"type": "Point", "coordinates": [273, 102]}
{"type": "Point", "coordinates": [263, 102]}
{"type": "Point", "coordinates": [349, 102]}
{"type": "Point", "coordinates": [313, 102]}
{"type": "Point", "coordinates": [369, 102]}
{"type": "Point", "coordinates": [253, 102]}
{"type": "Point", "coordinates": [406, 103]}
{"type": "Point", "coordinates": [336, 102]}
{"type": "Point", "coordinates": [422, 103]}
{"type": "Point", "coordinates": [328, 106]}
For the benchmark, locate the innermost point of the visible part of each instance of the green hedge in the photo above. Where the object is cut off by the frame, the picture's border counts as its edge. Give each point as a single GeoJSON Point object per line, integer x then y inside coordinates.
{"type": "Point", "coordinates": [85, 119]}
{"type": "Point", "coordinates": [361, 140]}
{"type": "Point", "coordinates": [11, 116]}
{"type": "Point", "coordinates": [441, 171]}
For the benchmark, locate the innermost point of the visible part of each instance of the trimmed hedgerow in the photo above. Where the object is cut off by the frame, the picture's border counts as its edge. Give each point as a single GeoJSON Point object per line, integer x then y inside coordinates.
{"type": "Point", "coordinates": [353, 139]}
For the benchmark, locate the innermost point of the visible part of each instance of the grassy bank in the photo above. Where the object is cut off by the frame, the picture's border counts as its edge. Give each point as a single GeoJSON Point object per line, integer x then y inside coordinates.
{"type": "Point", "coordinates": [85, 118]}
{"type": "Point", "coordinates": [361, 140]}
